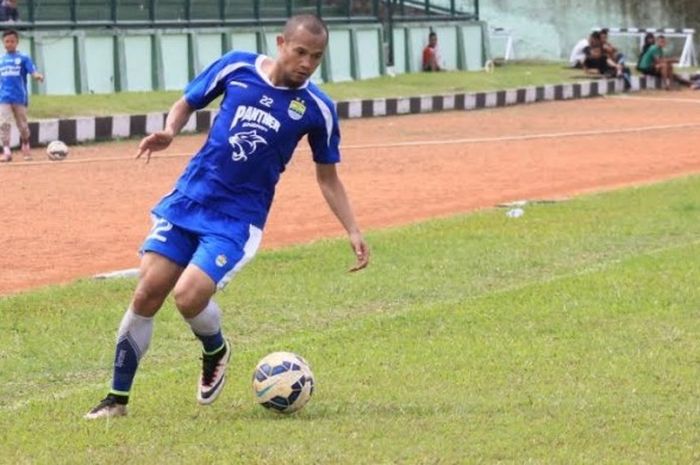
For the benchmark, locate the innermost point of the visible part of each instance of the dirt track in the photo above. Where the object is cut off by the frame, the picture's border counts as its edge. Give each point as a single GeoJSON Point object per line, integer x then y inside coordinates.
{"type": "Point", "coordinates": [89, 214]}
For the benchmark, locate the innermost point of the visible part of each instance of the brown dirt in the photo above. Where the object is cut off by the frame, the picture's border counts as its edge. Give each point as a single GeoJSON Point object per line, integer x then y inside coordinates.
{"type": "Point", "coordinates": [89, 214]}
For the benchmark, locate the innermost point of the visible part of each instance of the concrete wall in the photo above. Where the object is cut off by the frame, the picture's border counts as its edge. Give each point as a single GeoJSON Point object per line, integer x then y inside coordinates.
{"type": "Point", "coordinates": [105, 61]}
{"type": "Point", "coordinates": [549, 29]}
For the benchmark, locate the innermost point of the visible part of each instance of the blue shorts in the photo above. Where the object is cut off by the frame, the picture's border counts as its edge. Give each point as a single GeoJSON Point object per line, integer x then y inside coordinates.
{"type": "Point", "coordinates": [186, 232]}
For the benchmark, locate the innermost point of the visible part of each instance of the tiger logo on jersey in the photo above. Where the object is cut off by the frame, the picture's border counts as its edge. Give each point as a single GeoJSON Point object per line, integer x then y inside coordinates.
{"type": "Point", "coordinates": [244, 144]}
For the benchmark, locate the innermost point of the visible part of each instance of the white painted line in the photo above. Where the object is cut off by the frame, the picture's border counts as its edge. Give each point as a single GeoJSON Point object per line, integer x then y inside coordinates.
{"type": "Point", "coordinates": [417, 143]}
{"type": "Point", "coordinates": [127, 273]}
{"type": "Point", "coordinates": [553, 135]}
{"type": "Point", "coordinates": [658, 99]}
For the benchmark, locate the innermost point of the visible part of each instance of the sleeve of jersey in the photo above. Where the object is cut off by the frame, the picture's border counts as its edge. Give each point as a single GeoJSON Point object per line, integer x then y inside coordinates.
{"type": "Point", "coordinates": [211, 82]}
{"type": "Point", "coordinates": [29, 65]}
{"type": "Point", "coordinates": [325, 138]}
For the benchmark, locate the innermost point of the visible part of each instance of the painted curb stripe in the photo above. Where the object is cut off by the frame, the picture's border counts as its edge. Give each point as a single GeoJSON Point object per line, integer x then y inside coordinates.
{"type": "Point", "coordinates": [104, 128]}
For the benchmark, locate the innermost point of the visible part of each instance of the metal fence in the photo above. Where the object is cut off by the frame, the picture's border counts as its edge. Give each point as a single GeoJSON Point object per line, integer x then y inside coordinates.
{"type": "Point", "coordinates": [46, 14]}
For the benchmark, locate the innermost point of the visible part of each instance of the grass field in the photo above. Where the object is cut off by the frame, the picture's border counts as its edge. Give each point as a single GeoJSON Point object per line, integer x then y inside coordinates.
{"type": "Point", "coordinates": [512, 75]}
{"type": "Point", "coordinates": [570, 335]}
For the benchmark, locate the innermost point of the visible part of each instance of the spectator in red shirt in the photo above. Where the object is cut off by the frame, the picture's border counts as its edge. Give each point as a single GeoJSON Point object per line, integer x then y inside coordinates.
{"type": "Point", "coordinates": [431, 61]}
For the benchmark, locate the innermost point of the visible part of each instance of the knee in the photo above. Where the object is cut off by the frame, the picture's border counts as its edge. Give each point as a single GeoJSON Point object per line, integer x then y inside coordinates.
{"type": "Point", "coordinates": [191, 297]}
{"type": "Point", "coordinates": [148, 298]}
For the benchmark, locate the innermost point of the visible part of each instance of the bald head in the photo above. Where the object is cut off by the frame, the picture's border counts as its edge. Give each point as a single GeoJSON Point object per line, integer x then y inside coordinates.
{"type": "Point", "coordinates": [310, 23]}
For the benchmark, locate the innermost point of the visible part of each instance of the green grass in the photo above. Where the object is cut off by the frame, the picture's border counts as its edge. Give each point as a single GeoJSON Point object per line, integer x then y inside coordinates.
{"type": "Point", "coordinates": [570, 335]}
{"type": "Point", "coordinates": [512, 75]}
{"type": "Point", "coordinates": [504, 77]}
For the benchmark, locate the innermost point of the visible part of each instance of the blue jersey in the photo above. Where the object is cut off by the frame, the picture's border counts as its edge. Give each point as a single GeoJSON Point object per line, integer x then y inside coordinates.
{"type": "Point", "coordinates": [14, 68]}
{"type": "Point", "coordinates": [253, 136]}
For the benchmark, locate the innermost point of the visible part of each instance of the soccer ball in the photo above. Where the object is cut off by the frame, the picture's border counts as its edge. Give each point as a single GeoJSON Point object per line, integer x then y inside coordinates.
{"type": "Point", "coordinates": [283, 382]}
{"type": "Point", "coordinates": [57, 150]}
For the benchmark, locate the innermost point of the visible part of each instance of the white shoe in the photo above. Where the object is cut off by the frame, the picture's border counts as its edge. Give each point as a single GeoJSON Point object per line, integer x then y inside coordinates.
{"type": "Point", "coordinates": [213, 377]}
{"type": "Point", "coordinates": [107, 408]}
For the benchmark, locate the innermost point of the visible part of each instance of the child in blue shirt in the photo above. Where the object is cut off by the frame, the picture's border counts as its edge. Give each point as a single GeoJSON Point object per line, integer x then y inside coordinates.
{"type": "Point", "coordinates": [14, 68]}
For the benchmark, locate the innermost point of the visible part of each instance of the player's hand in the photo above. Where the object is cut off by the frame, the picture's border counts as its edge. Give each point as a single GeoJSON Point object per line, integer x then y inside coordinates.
{"type": "Point", "coordinates": [361, 249]}
{"type": "Point", "coordinates": [152, 143]}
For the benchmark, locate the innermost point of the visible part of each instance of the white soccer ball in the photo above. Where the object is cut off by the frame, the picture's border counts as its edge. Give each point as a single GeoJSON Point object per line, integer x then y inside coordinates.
{"type": "Point", "coordinates": [283, 382]}
{"type": "Point", "coordinates": [57, 150]}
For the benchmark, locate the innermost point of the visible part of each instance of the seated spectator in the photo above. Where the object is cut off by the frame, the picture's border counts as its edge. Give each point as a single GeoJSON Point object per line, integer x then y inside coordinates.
{"type": "Point", "coordinates": [649, 40]}
{"type": "Point", "coordinates": [578, 54]}
{"type": "Point", "coordinates": [654, 63]}
{"type": "Point", "coordinates": [609, 49]}
{"type": "Point", "coordinates": [8, 11]}
{"type": "Point", "coordinates": [431, 56]}
{"type": "Point", "coordinates": [598, 63]}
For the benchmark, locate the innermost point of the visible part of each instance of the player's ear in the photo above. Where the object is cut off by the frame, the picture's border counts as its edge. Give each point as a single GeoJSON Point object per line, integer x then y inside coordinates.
{"type": "Point", "coordinates": [280, 41]}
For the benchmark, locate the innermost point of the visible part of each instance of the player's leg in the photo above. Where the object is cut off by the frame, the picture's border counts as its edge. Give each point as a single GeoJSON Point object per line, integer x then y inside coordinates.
{"type": "Point", "coordinates": [5, 127]}
{"type": "Point", "coordinates": [158, 276]}
{"type": "Point", "coordinates": [212, 266]}
{"type": "Point", "coordinates": [165, 254]}
{"type": "Point", "coordinates": [663, 70]}
{"type": "Point", "coordinates": [20, 112]}
{"type": "Point", "coordinates": [193, 298]}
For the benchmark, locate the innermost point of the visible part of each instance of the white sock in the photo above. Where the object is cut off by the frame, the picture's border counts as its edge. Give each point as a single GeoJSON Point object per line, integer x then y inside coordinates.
{"type": "Point", "coordinates": [133, 338]}
{"type": "Point", "coordinates": [207, 327]}
{"type": "Point", "coordinates": [208, 322]}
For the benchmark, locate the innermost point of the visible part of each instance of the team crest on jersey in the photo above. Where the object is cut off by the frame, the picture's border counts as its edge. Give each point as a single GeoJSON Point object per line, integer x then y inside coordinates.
{"type": "Point", "coordinates": [18, 61]}
{"type": "Point", "coordinates": [244, 144]}
{"type": "Point", "coordinates": [296, 109]}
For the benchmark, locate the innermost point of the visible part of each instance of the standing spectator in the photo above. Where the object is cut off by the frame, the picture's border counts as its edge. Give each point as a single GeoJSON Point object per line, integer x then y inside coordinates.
{"type": "Point", "coordinates": [654, 63]}
{"type": "Point", "coordinates": [8, 11]}
{"type": "Point", "coordinates": [14, 67]}
{"type": "Point", "coordinates": [431, 56]}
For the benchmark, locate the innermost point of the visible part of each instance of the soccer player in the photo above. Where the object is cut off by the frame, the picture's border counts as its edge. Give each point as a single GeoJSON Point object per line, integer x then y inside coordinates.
{"type": "Point", "coordinates": [14, 67]}
{"type": "Point", "coordinates": [211, 224]}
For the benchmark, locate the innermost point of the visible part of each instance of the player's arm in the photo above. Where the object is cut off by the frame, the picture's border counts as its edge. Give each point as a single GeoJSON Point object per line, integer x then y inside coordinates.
{"type": "Point", "coordinates": [334, 193]}
{"type": "Point", "coordinates": [30, 68]}
{"type": "Point", "coordinates": [178, 115]}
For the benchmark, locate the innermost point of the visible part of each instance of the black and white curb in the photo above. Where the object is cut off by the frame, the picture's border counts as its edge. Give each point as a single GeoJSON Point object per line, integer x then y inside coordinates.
{"type": "Point", "coordinates": [107, 128]}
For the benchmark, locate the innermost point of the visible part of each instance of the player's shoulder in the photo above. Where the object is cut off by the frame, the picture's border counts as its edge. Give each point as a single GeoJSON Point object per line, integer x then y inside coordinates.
{"type": "Point", "coordinates": [239, 56]}
{"type": "Point", "coordinates": [319, 95]}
